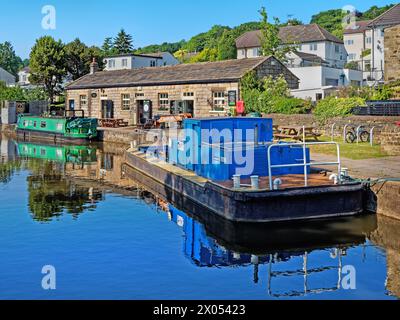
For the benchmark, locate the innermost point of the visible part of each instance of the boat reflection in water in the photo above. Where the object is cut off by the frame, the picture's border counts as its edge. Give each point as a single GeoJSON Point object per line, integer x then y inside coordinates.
{"type": "Point", "coordinates": [276, 243]}
{"type": "Point", "coordinates": [307, 257]}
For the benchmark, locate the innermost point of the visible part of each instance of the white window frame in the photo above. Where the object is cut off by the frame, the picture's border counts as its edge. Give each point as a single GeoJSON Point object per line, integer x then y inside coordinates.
{"type": "Point", "coordinates": [313, 46]}
{"type": "Point", "coordinates": [124, 62]}
{"type": "Point", "coordinates": [125, 101]}
{"type": "Point", "coordinates": [219, 100]}
{"type": "Point", "coordinates": [83, 101]}
{"type": "Point", "coordinates": [111, 63]}
{"type": "Point", "coordinates": [163, 101]}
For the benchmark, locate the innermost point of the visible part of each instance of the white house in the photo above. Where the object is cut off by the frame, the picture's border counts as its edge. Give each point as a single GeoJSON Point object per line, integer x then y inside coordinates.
{"type": "Point", "coordinates": [319, 60]}
{"type": "Point", "coordinates": [7, 77]}
{"type": "Point", "coordinates": [137, 61]}
{"type": "Point", "coordinates": [23, 77]}
{"type": "Point", "coordinates": [358, 43]}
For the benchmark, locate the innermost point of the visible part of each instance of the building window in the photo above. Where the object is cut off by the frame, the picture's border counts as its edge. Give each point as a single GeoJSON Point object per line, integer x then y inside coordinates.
{"type": "Point", "coordinates": [313, 47]}
{"type": "Point", "coordinates": [352, 56]}
{"type": "Point", "coordinates": [368, 40]}
{"type": "Point", "coordinates": [139, 95]}
{"type": "Point", "coordinates": [332, 82]}
{"type": "Point", "coordinates": [163, 100]}
{"type": "Point", "coordinates": [243, 53]}
{"type": "Point", "coordinates": [111, 63]}
{"type": "Point", "coordinates": [337, 48]}
{"type": "Point", "coordinates": [349, 42]}
{"type": "Point", "coordinates": [82, 101]}
{"type": "Point", "coordinates": [355, 83]}
{"type": "Point", "coordinates": [126, 102]}
{"type": "Point", "coordinates": [188, 94]}
{"type": "Point", "coordinates": [153, 63]}
{"type": "Point", "coordinates": [124, 62]}
{"type": "Point", "coordinates": [256, 52]}
{"type": "Point", "coordinates": [219, 101]}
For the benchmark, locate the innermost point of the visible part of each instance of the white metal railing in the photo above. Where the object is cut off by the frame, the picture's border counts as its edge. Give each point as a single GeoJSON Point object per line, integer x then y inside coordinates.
{"type": "Point", "coordinates": [305, 163]}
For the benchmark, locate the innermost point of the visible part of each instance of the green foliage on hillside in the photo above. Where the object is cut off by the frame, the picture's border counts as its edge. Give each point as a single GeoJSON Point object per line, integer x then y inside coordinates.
{"type": "Point", "coordinates": [332, 20]}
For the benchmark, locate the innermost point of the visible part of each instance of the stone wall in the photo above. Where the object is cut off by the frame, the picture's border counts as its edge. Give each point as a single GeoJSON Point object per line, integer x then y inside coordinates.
{"type": "Point", "coordinates": [202, 94]}
{"type": "Point", "coordinates": [392, 53]}
{"type": "Point", "coordinates": [202, 99]}
{"type": "Point", "coordinates": [386, 132]}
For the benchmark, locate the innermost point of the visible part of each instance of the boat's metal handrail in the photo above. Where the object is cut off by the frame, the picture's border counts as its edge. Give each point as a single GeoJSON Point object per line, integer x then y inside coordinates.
{"type": "Point", "coordinates": [305, 164]}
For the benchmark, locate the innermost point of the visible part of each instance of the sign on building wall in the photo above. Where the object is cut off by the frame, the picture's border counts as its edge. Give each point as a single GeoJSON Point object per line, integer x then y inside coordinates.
{"type": "Point", "coordinates": [232, 98]}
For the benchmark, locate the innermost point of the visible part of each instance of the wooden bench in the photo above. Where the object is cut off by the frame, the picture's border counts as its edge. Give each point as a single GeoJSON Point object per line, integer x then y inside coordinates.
{"type": "Point", "coordinates": [296, 133]}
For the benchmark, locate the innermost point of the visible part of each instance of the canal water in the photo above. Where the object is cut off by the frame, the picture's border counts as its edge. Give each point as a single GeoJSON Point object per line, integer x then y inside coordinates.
{"type": "Point", "coordinates": [108, 237]}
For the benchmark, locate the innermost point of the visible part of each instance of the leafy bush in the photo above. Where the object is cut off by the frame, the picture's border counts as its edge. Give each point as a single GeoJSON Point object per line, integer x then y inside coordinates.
{"type": "Point", "coordinates": [270, 95]}
{"type": "Point", "coordinates": [336, 107]}
{"type": "Point", "coordinates": [367, 93]}
{"type": "Point", "coordinates": [285, 105]}
{"type": "Point", "coordinates": [19, 94]}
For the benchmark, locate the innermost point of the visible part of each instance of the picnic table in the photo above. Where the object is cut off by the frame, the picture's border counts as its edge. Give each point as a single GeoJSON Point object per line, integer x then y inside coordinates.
{"type": "Point", "coordinates": [296, 133]}
{"type": "Point", "coordinates": [112, 123]}
{"type": "Point", "coordinates": [179, 118]}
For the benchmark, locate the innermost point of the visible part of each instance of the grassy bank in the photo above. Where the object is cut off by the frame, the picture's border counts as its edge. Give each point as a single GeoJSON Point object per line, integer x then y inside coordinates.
{"type": "Point", "coordinates": [351, 150]}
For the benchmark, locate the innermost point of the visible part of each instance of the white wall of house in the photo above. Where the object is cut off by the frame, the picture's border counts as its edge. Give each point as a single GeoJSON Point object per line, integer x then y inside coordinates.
{"type": "Point", "coordinates": [23, 78]}
{"type": "Point", "coordinates": [334, 53]}
{"type": "Point", "coordinates": [7, 77]}
{"type": "Point", "coordinates": [317, 79]}
{"type": "Point", "coordinates": [168, 59]}
{"type": "Point", "coordinates": [139, 61]}
{"type": "Point", "coordinates": [378, 53]}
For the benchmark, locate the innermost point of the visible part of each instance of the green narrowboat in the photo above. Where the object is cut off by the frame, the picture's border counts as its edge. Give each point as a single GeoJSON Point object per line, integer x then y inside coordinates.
{"type": "Point", "coordinates": [57, 128]}
{"type": "Point", "coordinates": [65, 154]}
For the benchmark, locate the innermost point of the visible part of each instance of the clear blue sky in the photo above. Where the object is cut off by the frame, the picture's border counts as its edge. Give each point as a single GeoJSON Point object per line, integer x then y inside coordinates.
{"type": "Point", "coordinates": [152, 21]}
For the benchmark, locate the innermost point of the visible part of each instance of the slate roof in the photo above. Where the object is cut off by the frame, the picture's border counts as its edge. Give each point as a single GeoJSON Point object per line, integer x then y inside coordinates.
{"type": "Point", "coordinates": [289, 34]}
{"type": "Point", "coordinates": [207, 72]}
{"type": "Point", "coordinates": [388, 18]}
{"type": "Point", "coordinates": [360, 27]}
{"type": "Point", "coordinates": [309, 57]}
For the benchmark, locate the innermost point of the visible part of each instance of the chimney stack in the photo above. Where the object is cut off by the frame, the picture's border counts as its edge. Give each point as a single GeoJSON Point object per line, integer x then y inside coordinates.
{"type": "Point", "coordinates": [94, 66]}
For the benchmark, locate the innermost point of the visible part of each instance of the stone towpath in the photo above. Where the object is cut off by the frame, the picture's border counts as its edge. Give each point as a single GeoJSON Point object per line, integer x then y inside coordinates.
{"type": "Point", "coordinates": [388, 167]}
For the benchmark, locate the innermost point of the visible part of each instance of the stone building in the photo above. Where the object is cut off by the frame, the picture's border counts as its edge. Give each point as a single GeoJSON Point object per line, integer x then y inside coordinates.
{"type": "Point", "coordinates": [392, 54]}
{"type": "Point", "coordinates": [202, 89]}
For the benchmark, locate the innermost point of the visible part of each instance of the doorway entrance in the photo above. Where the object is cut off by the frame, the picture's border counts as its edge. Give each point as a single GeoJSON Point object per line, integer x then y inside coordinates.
{"type": "Point", "coordinates": [107, 109]}
{"type": "Point", "coordinates": [144, 111]}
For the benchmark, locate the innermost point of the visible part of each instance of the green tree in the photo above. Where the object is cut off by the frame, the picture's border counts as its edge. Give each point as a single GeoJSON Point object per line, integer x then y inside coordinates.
{"type": "Point", "coordinates": [47, 64]}
{"type": "Point", "coordinates": [123, 43]}
{"type": "Point", "coordinates": [206, 55]}
{"type": "Point", "coordinates": [271, 44]}
{"type": "Point", "coordinates": [108, 47]}
{"type": "Point", "coordinates": [9, 61]}
{"type": "Point", "coordinates": [227, 46]}
{"type": "Point", "coordinates": [78, 58]}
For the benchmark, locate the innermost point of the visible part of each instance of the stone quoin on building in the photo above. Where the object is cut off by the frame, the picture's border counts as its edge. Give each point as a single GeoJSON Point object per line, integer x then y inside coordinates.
{"type": "Point", "coordinates": [202, 89]}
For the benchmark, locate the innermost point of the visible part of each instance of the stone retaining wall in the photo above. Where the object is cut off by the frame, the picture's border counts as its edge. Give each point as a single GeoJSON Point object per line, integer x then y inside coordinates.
{"type": "Point", "coordinates": [388, 199]}
{"type": "Point", "coordinates": [387, 133]}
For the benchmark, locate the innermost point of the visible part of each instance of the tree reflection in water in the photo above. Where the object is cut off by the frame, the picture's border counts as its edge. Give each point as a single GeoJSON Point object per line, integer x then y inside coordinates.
{"type": "Point", "coordinates": [51, 195]}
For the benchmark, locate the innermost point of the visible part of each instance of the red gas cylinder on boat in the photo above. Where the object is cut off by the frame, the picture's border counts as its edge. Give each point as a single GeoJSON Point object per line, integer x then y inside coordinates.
{"type": "Point", "coordinates": [240, 108]}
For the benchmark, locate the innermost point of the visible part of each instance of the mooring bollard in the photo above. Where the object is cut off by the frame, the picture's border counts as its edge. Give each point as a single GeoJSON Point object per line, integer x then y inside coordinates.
{"type": "Point", "coordinates": [277, 184]}
{"type": "Point", "coordinates": [334, 178]}
{"type": "Point", "coordinates": [255, 182]}
{"type": "Point", "coordinates": [236, 181]}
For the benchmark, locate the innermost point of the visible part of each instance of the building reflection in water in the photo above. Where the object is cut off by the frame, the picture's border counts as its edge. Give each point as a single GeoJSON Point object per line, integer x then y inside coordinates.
{"type": "Point", "coordinates": [72, 180]}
